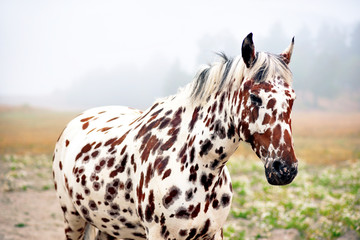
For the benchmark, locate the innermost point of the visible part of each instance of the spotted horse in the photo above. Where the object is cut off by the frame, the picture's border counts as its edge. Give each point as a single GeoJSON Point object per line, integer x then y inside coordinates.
{"type": "Point", "coordinates": [121, 173]}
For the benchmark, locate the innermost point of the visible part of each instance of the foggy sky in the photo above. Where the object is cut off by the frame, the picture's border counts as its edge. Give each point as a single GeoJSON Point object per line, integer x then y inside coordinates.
{"type": "Point", "coordinates": [51, 47]}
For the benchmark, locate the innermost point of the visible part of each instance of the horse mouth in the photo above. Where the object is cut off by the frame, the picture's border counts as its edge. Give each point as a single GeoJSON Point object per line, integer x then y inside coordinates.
{"type": "Point", "coordinates": [278, 172]}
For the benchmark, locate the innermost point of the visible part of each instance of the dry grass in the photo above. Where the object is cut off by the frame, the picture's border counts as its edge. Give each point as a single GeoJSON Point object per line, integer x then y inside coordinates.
{"type": "Point", "coordinates": [25, 130]}
{"type": "Point", "coordinates": [322, 137]}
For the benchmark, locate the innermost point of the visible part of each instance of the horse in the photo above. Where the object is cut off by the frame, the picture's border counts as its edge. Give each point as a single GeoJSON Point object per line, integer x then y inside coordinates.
{"type": "Point", "coordinates": [121, 173]}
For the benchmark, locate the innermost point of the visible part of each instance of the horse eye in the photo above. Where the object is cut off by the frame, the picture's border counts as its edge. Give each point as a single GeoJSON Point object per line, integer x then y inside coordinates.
{"type": "Point", "coordinates": [256, 100]}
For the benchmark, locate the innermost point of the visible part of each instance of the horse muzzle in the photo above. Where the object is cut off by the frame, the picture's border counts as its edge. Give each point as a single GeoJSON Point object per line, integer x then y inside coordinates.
{"type": "Point", "coordinates": [279, 172]}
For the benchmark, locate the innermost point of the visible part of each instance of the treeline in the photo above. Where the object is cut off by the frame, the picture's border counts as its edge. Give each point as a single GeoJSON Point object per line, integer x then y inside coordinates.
{"type": "Point", "coordinates": [325, 65]}
{"type": "Point", "coordinates": [328, 66]}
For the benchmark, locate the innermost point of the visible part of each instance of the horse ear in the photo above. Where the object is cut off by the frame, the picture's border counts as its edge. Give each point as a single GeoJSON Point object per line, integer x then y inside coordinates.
{"type": "Point", "coordinates": [248, 50]}
{"type": "Point", "coordinates": [286, 55]}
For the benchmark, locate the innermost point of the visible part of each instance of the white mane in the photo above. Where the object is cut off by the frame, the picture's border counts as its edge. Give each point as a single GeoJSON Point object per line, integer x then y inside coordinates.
{"type": "Point", "coordinates": [213, 78]}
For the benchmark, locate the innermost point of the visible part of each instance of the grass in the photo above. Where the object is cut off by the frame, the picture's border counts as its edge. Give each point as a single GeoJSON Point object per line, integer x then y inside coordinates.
{"type": "Point", "coordinates": [323, 202]}
{"type": "Point", "coordinates": [23, 172]}
{"type": "Point", "coordinates": [20, 225]}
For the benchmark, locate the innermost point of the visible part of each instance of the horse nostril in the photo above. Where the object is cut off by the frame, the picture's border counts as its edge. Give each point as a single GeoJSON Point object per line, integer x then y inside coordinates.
{"type": "Point", "coordinates": [293, 170]}
{"type": "Point", "coordinates": [276, 165]}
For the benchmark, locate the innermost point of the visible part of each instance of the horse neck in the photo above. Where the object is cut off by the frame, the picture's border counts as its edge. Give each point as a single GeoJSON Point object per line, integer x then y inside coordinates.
{"type": "Point", "coordinates": [212, 126]}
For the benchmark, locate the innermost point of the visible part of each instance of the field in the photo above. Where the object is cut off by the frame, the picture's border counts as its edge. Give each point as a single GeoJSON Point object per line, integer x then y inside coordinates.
{"type": "Point", "coordinates": [323, 202]}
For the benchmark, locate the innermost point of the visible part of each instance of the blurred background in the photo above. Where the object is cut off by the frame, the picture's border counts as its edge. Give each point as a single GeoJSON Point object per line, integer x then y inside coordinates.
{"type": "Point", "coordinates": [81, 54]}
{"type": "Point", "coordinates": [58, 58]}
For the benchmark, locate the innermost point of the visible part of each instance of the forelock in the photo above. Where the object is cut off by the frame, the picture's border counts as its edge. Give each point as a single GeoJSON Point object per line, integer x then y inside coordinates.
{"type": "Point", "coordinates": [267, 66]}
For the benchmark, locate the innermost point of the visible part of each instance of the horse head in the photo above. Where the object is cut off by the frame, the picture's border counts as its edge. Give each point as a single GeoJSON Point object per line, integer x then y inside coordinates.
{"type": "Point", "coordinates": [266, 104]}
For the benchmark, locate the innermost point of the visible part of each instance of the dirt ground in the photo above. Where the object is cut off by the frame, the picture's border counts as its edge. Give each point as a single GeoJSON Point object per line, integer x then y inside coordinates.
{"type": "Point", "coordinates": [30, 215]}
{"type": "Point", "coordinates": [29, 208]}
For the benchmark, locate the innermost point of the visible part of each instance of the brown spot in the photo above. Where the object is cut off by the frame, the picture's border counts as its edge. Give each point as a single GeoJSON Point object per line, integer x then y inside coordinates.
{"type": "Point", "coordinates": [86, 158]}
{"type": "Point", "coordinates": [271, 103]}
{"type": "Point", "coordinates": [86, 148]}
{"type": "Point", "coordinates": [266, 119]}
{"type": "Point", "coordinates": [263, 139]}
{"type": "Point", "coordinates": [149, 175]}
{"type": "Point", "coordinates": [160, 164]}
{"type": "Point", "coordinates": [287, 137]}
{"type": "Point", "coordinates": [183, 150]}
{"type": "Point", "coordinates": [157, 112]}
{"type": "Point", "coordinates": [193, 173]}
{"type": "Point", "coordinates": [245, 130]}
{"type": "Point", "coordinates": [205, 147]}
{"type": "Point", "coordinates": [173, 131]}
{"type": "Point", "coordinates": [146, 128]}
{"type": "Point", "coordinates": [164, 123]}
{"type": "Point", "coordinates": [192, 155]}
{"type": "Point", "coordinates": [166, 174]}
{"type": "Point", "coordinates": [104, 129]}
{"type": "Point", "coordinates": [254, 114]}
{"type": "Point", "coordinates": [171, 196]}
{"type": "Point", "coordinates": [177, 117]}
{"type": "Point", "coordinates": [133, 162]}
{"type": "Point", "coordinates": [94, 154]}
{"type": "Point", "coordinates": [123, 150]}
{"type": "Point", "coordinates": [192, 141]}
{"type": "Point", "coordinates": [221, 104]}
{"type": "Point", "coordinates": [64, 209]}
{"type": "Point", "coordinates": [189, 194]}
{"type": "Point", "coordinates": [206, 180]}
{"type": "Point", "coordinates": [276, 136]}
{"type": "Point", "coordinates": [92, 205]}
{"type": "Point", "coordinates": [225, 200]}
{"type": "Point", "coordinates": [273, 117]}
{"type": "Point", "coordinates": [183, 232]}
{"type": "Point", "coordinates": [215, 204]}
{"type": "Point", "coordinates": [192, 233]}
{"type": "Point", "coordinates": [139, 189]}
{"type": "Point", "coordinates": [213, 108]}
{"type": "Point", "coordinates": [194, 118]}
{"type": "Point", "coordinates": [149, 146]}
{"type": "Point", "coordinates": [67, 143]}
{"type": "Point", "coordinates": [182, 213]}
{"type": "Point", "coordinates": [120, 140]}
{"type": "Point", "coordinates": [150, 208]}
{"type": "Point", "coordinates": [86, 119]}
{"type": "Point", "coordinates": [85, 125]}
{"type": "Point", "coordinates": [110, 141]}
{"type": "Point", "coordinates": [205, 228]}
{"type": "Point", "coordinates": [196, 211]}
{"type": "Point", "coordinates": [112, 119]}
{"type": "Point", "coordinates": [169, 143]}
{"type": "Point", "coordinates": [231, 131]}
{"type": "Point", "coordinates": [119, 168]}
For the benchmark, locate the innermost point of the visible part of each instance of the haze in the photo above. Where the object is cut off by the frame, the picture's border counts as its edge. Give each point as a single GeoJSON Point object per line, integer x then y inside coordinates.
{"type": "Point", "coordinates": [81, 54]}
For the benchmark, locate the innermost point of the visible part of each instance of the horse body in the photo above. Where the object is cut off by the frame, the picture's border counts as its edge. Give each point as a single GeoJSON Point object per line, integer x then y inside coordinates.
{"type": "Point", "coordinates": [161, 174]}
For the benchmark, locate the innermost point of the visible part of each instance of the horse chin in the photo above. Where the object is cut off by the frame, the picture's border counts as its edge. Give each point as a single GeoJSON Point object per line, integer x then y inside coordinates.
{"type": "Point", "coordinates": [276, 180]}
